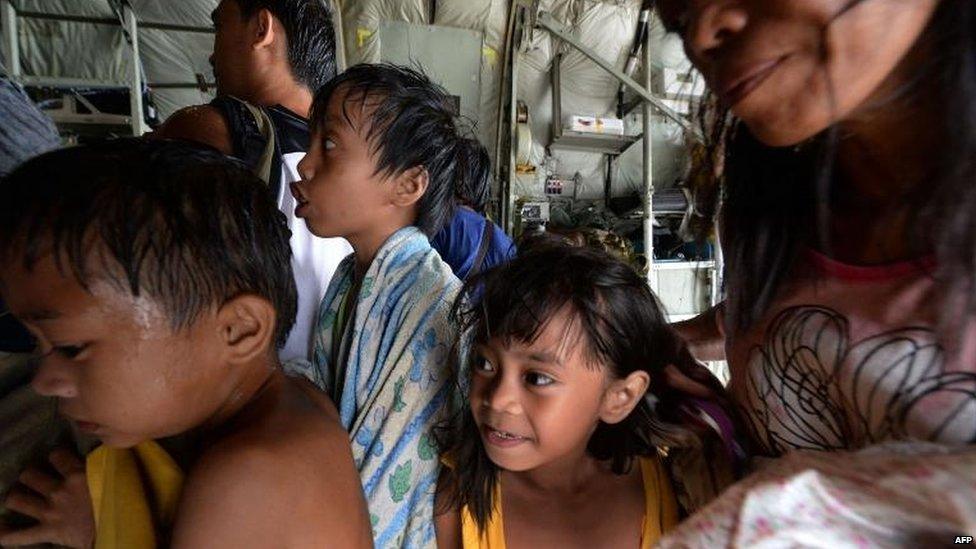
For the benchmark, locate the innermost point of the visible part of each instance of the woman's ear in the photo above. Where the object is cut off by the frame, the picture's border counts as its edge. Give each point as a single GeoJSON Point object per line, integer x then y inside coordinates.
{"type": "Point", "coordinates": [409, 187]}
{"type": "Point", "coordinates": [247, 327]}
{"type": "Point", "coordinates": [622, 396]}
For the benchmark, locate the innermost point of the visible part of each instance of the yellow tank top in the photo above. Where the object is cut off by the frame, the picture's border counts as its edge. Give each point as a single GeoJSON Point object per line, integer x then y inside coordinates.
{"type": "Point", "coordinates": [660, 512]}
{"type": "Point", "coordinates": [134, 493]}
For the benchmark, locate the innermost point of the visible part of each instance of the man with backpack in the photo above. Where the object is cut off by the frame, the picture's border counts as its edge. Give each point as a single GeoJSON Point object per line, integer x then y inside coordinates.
{"type": "Point", "coordinates": [270, 56]}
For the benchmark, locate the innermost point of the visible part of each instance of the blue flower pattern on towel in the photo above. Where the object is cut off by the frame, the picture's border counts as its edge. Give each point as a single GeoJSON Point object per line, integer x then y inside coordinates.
{"type": "Point", "coordinates": [395, 382]}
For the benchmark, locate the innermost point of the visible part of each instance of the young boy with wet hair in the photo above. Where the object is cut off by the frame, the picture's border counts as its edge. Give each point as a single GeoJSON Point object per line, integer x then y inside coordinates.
{"type": "Point", "coordinates": [155, 277]}
{"type": "Point", "coordinates": [386, 159]}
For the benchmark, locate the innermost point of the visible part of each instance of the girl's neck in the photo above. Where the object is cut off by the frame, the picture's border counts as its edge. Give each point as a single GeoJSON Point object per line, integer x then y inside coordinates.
{"type": "Point", "coordinates": [568, 475]}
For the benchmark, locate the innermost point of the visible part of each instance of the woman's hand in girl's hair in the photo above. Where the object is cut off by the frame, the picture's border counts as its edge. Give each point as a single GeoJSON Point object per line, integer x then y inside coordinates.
{"type": "Point", "coordinates": [680, 381]}
{"type": "Point", "coordinates": [61, 506]}
{"type": "Point", "coordinates": [703, 334]}
{"type": "Point", "coordinates": [689, 376]}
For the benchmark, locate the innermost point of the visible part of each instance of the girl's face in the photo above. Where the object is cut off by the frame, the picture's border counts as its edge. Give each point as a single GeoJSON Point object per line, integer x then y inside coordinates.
{"type": "Point", "coordinates": [340, 194]}
{"type": "Point", "coordinates": [789, 69]}
{"type": "Point", "coordinates": [536, 403]}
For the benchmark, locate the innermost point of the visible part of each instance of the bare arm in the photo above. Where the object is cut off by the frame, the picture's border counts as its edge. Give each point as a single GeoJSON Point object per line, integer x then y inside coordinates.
{"type": "Point", "coordinates": [704, 335]}
{"type": "Point", "coordinates": [200, 123]}
{"type": "Point", "coordinates": [447, 519]}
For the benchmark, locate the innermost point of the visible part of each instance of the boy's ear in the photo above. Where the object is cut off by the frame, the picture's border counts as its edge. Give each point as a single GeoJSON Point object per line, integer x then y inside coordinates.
{"type": "Point", "coordinates": [264, 28]}
{"type": "Point", "coordinates": [622, 396]}
{"type": "Point", "coordinates": [247, 326]}
{"type": "Point", "coordinates": [410, 186]}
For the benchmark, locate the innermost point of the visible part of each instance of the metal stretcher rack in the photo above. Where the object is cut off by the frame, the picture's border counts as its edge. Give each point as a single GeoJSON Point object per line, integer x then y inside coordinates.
{"type": "Point", "coordinates": [130, 25]}
{"type": "Point", "coordinates": [526, 17]}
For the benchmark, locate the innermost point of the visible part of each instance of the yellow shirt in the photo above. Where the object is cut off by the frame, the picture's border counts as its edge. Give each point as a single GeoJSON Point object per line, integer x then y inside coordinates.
{"type": "Point", "coordinates": [660, 512]}
{"type": "Point", "coordinates": [135, 492]}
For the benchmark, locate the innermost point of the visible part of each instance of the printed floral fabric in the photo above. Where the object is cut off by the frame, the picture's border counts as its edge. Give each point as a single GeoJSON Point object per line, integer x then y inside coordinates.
{"type": "Point", "coordinates": [393, 384]}
{"type": "Point", "coordinates": [893, 495]}
{"type": "Point", "coordinates": [852, 356]}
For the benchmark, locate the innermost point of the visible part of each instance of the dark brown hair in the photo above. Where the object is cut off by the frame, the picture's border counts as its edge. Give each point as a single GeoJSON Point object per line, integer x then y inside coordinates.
{"type": "Point", "coordinates": [623, 328]}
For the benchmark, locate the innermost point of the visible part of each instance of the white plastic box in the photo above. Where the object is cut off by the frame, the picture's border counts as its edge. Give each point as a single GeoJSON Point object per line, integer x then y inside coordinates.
{"type": "Point", "coordinates": [594, 124]}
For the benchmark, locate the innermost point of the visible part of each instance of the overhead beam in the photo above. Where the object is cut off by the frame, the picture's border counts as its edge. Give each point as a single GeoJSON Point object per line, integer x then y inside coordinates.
{"type": "Point", "coordinates": [112, 22]}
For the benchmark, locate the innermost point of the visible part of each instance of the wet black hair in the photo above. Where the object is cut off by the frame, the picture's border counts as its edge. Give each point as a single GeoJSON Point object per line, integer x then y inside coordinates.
{"type": "Point", "coordinates": [772, 202]}
{"type": "Point", "coordinates": [410, 123]}
{"type": "Point", "coordinates": [622, 328]}
{"type": "Point", "coordinates": [180, 223]}
{"type": "Point", "coordinates": [474, 188]}
{"type": "Point", "coordinates": [310, 34]}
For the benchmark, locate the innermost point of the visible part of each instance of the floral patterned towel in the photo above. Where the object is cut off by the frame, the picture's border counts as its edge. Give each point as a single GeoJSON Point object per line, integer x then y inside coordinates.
{"type": "Point", "coordinates": [392, 385]}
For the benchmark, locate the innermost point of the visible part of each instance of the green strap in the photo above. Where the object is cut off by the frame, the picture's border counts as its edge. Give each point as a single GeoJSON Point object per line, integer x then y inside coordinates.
{"type": "Point", "coordinates": [266, 127]}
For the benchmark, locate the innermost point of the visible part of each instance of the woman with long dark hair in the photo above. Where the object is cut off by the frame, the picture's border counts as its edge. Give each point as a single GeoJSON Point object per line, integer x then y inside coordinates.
{"type": "Point", "coordinates": [842, 139]}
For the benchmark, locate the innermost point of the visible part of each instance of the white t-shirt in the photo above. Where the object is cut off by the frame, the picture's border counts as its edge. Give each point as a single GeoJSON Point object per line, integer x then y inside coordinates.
{"type": "Point", "coordinates": [313, 260]}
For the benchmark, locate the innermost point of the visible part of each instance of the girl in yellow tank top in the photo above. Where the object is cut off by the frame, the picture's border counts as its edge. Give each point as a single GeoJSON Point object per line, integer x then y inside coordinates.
{"type": "Point", "coordinates": [570, 389]}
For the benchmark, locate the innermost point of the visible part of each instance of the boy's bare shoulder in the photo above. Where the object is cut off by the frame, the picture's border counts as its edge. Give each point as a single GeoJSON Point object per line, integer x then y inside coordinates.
{"type": "Point", "coordinates": [286, 479]}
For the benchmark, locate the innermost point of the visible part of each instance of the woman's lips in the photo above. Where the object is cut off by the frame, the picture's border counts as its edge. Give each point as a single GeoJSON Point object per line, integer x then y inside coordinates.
{"type": "Point", "coordinates": [742, 85]}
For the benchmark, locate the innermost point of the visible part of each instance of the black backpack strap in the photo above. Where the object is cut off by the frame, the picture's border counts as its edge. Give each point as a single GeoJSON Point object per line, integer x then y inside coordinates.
{"type": "Point", "coordinates": [479, 260]}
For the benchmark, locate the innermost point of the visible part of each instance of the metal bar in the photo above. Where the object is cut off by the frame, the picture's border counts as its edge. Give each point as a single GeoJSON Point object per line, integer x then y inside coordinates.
{"type": "Point", "coordinates": [65, 18]}
{"type": "Point", "coordinates": [501, 160]}
{"type": "Point", "coordinates": [12, 43]}
{"type": "Point", "coordinates": [546, 21]}
{"type": "Point", "coordinates": [340, 36]}
{"type": "Point", "coordinates": [648, 172]}
{"type": "Point", "coordinates": [179, 85]}
{"type": "Point", "coordinates": [555, 77]}
{"type": "Point", "coordinates": [507, 113]}
{"type": "Point", "coordinates": [66, 82]}
{"type": "Point", "coordinates": [135, 84]}
{"type": "Point", "coordinates": [177, 28]}
{"type": "Point", "coordinates": [718, 270]}
{"type": "Point", "coordinates": [109, 21]}
{"type": "Point", "coordinates": [684, 265]}
{"type": "Point", "coordinates": [508, 197]}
